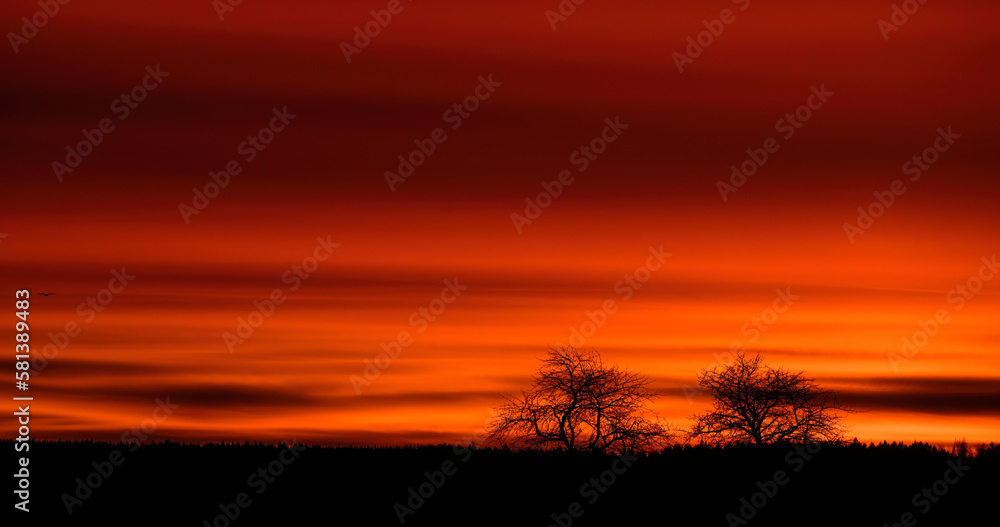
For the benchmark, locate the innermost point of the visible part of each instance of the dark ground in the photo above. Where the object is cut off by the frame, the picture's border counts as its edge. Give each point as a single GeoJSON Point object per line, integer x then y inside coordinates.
{"type": "Point", "coordinates": [175, 485]}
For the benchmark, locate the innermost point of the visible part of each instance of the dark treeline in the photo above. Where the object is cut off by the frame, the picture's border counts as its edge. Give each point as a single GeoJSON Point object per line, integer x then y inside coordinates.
{"type": "Point", "coordinates": [843, 483]}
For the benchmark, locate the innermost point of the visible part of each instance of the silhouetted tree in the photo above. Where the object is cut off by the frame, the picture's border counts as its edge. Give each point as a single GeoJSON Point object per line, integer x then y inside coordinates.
{"type": "Point", "coordinates": [755, 403]}
{"type": "Point", "coordinates": [960, 448]}
{"type": "Point", "coordinates": [579, 404]}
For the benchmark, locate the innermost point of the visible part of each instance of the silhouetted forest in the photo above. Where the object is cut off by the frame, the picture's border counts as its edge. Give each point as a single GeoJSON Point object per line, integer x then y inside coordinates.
{"type": "Point", "coordinates": [786, 484]}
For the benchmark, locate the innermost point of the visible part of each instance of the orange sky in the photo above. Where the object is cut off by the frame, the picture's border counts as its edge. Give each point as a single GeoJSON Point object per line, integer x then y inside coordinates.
{"type": "Point", "coordinates": [654, 186]}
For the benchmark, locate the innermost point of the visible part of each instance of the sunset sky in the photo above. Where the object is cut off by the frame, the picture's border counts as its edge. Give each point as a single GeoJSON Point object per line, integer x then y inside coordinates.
{"type": "Point", "coordinates": [655, 187]}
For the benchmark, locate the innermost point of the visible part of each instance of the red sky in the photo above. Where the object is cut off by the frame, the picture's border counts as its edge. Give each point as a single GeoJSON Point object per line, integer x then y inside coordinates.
{"type": "Point", "coordinates": [655, 185]}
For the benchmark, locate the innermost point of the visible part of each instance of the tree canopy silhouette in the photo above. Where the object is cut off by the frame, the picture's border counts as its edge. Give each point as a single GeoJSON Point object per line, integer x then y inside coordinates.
{"type": "Point", "coordinates": [754, 403]}
{"type": "Point", "coordinates": [579, 404]}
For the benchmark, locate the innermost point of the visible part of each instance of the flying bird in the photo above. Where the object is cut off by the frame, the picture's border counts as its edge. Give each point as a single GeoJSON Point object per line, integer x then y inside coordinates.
{"type": "Point", "coordinates": [46, 294]}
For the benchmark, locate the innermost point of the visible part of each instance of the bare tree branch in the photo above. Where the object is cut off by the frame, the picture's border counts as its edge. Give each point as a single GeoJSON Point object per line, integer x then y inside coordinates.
{"type": "Point", "coordinates": [754, 403]}
{"type": "Point", "coordinates": [578, 404]}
